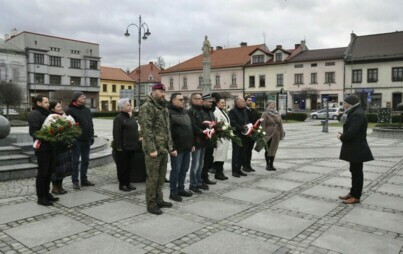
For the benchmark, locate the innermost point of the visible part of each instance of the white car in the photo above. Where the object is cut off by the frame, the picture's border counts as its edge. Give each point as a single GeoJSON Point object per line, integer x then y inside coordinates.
{"type": "Point", "coordinates": [333, 113]}
{"type": "Point", "coordinates": [11, 112]}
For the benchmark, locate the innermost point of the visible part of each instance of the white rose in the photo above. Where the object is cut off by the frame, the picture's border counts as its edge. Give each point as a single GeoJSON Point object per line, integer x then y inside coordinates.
{"type": "Point", "coordinates": [264, 133]}
{"type": "Point", "coordinates": [224, 128]}
{"type": "Point", "coordinates": [259, 131]}
{"type": "Point", "coordinates": [231, 134]}
{"type": "Point", "coordinates": [260, 127]}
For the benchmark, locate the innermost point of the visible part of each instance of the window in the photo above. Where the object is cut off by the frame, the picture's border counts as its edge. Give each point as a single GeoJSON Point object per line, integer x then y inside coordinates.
{"type": "Point", "coordinates": [39, 58]}
{"type": "Point", "coordinates": [55, 49]}
{"type": "Point", "coordinates": [150, 77]}
{"type": "Point", "coordinates": [329, 77]}
{"type": "Point", "coordinates": [262, 80]}
{"type": "Point", "coordinates": [298, 78]}
{"type": "Point", "coordinates": [330, 63]}
{"type": "Point", "coordinates": [171, 84]}
{"type": "Point", "coordinates": [113, 88]}
{"type": "Point", "coordinates": [280, 80]}
{"type": "Point", "coordinates": [258, 59]}
{"type": "Point", "coordinates": [93, 81]}
{"type": "Point", "coordinates": [251, 81]}
{"type": "Point", "coordinates": [93, 65]}
{"type": "Point", "coordinates": [314, 78]}
{"type": "Point", "coordinates": [298, 66]}
{"type": "Point", "coordinates": [185, 83]}
{"type": "Point", "coordinates": [314, 65]}
{"type": "Point", "coordinates": [200, 82]}
{"type": "Point", "coordinates": [357, 76]}
{"type": "Point", "coordinates": [55, 61]}
{"type": "Point", "coordinates": [372, 75]}
{"type": "Point", "coordinates": [77, 52]}
{"type": "Point", "coordinates": [217, 81]}
{"type": "Point", "coordinates": [129, 87]}
{"type": "Point", "coordinates": [75, 63]}
{"type": "Point", "coordinates": [104, 88]}
{"type": "Point", "coordinates": [75, 81]}
{"type": "Point", "coordinates": [122, 87]}
{"type": "Point", "coordinates": [279, 57]}
{"type": "Point", "coordinates": [39, 78]}
{"type": "Point", "coordinates": [397, 74]}
{"type": "Point", "coordinates": [55, 79]}
{"type": "Point", "coordinates": [233, 79]}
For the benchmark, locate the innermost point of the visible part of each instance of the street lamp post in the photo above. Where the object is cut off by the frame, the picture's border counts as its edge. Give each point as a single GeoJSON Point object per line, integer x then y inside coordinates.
{"type": "Point", "coordinates": [141, 26]}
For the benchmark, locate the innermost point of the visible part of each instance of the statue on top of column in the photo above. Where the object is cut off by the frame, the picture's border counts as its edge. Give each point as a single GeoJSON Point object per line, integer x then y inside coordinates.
{"type": "Point", "coordinates": [206, 47]}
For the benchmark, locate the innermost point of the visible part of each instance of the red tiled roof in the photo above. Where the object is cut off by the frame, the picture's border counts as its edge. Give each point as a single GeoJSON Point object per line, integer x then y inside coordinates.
{"type": "Point", "coordinates": [110, 73]}
{"type": "Point", "coordinates": [146, 71]}
{"type": "Point", "coordinates": [51, 37]}
{"type": "Point", "coordinates": [221, 58]}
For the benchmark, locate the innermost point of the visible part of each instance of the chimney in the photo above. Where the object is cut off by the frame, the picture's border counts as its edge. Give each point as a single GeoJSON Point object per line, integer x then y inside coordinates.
{"type": "Point", "coordinates": [219, 48]}
{"type": "Point", "coordinates": [279, 47]}
{"type": "Point", "coordinates": [297, 45]}
{"type": "Point", "coordinates": [243, 44]}
{"type": "Point", "coordinates": [151, 65]}
{"type": "Point", "coordinates": [303, 46]}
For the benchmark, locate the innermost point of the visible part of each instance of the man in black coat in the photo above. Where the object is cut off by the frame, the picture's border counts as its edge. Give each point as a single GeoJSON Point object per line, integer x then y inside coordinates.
{"type": "Point", "coordinates": [354, 148]}
{"type": "Point", "coordinates": [249, 142]}
{"type": "Point", "coordinates": [82, 116]}
{"type": "Point", "coordinates": [238, 119]}
{"type": "Point", "coordinates": [44, 151]}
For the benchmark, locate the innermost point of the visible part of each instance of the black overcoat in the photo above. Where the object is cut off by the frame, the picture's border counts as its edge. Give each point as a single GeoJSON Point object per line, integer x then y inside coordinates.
{"type": "Point", "coordinates": [354, 146]}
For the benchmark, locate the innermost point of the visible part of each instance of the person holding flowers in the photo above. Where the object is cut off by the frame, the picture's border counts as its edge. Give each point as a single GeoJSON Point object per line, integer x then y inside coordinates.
{"type": "Point", "coordinates": [222, 146]}
{"type": "Point", "coordinates": [273, 127]}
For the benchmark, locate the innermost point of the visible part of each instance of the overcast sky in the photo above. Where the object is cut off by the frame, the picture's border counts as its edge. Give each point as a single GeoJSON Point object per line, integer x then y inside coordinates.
{"type": "Point", "coordinates": [178, 27]}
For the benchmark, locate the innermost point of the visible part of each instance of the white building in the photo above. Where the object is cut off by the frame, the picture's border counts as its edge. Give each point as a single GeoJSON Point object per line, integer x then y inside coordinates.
{"type": "Point", "coordinates": [59, 64]}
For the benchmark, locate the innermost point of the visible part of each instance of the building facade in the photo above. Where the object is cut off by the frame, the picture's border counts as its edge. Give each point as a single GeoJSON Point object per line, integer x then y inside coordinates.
{"type": "Point", "coordinates": [13, 68]}
{"type": "Point", "coordinates": [59, 64]}
{"type": "Point", "coordinates": [115, 84]}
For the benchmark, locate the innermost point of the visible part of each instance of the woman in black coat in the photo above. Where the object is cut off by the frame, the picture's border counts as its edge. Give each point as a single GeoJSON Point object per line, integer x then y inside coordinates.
{"type": "Point", "coordinates": [125, 142]}
{"type": "Point", "coordinates": [354, 148]}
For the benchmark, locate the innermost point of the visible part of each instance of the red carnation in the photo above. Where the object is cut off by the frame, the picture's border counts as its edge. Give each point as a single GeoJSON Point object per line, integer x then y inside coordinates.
{"type": "Point", "coordinates": [61, 128]}
{"type": "Point", "coordinates": [77, 123]}
{"type": "Point", "coordinates": [52, 131]}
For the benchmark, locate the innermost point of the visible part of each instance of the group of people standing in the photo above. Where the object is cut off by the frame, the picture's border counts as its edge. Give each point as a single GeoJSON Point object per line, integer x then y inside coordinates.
{"type": "Point", "coordinates": [55, 160]}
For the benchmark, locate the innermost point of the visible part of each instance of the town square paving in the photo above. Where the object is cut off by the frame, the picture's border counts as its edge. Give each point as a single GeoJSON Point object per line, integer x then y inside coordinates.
{"type": "Point", "coordinates": [292, 210]}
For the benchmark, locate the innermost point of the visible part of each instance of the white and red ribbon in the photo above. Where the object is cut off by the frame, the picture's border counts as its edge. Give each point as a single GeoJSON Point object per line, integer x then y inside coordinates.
{"type": "Point", "coordinates": [209, 132]}
{"type": "Point", "coordinates": [257, 124]}
{"type": "Point", "coordinates": [248, 129]}
{"type": "Point", "coordinates": [210, 124]}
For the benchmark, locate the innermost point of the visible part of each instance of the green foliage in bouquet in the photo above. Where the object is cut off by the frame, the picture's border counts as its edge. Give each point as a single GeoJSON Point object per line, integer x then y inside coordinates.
{"type": "Point", "coordinates": [223, 130]}
{"type": "Point", "coordinates": [60, 130]}
{"type": "Point", "coordinates": [258, 136]}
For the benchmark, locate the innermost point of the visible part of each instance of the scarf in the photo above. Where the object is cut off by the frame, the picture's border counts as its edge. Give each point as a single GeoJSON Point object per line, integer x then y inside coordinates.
{"type": "Point", "coordinates": [272, 112]}
{"type": "Point", "coordinates": [343, 118]}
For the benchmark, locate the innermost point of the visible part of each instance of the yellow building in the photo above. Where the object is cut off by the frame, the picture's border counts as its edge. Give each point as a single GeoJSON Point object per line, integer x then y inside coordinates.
{"type": "Point", "coordinates": [113, 80]}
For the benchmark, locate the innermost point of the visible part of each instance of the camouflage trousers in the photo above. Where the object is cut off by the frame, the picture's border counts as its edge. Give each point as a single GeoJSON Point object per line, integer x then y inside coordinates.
{"type": "Point", "coordinates": [156, 171]}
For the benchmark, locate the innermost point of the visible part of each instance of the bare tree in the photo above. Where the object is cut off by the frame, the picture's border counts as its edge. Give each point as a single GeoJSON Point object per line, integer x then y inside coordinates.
{"type": "Point", "coordinates": [160, 63]}
{"type": "Point", "coordinates": [10, 95]}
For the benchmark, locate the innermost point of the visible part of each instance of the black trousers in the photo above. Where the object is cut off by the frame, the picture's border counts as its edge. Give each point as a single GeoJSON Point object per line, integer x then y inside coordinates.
{"type": "Point", "coordinates": [46, 167]}
{"type": "Point", "coordinates": [124, 164]}
{"type": "Point", "coordinates": [219, 168]}
{"type": "Point", "coordinates": [249, 143]}
{"type": "Point", "coordinates": [357, 179]}
{"type": "Point", "coordinates": [238, 157]}
{"type": "Point", "coordinates": [208, 162]}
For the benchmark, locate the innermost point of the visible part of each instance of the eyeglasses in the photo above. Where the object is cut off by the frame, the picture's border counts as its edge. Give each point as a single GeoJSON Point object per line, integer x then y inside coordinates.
{"type": "Point", "coordinates": [197, 98]}
{"type": "Point", "coordinates": [180, 99]}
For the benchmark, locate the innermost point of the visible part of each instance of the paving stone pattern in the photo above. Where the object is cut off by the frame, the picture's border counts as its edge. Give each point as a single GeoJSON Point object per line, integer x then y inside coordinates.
{"type": "Point", "coordinates": [292, 210]}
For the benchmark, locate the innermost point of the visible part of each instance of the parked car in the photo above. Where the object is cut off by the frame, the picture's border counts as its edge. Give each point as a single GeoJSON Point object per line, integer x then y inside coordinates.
{"type": "Point", "coordinates": [11, 112]}
{"type": "Point", "coordinates": [321, 114]}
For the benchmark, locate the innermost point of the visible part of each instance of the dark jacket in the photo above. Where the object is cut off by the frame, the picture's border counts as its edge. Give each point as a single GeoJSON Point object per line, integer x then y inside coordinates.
{"type": "Point", "coordinates": [36, 119]}
{"type": "Point", "coordinates": [82, 116]}
{"type": "Point", "coordinates": [253, 116]}
{"type": "Point", "coordinates": [238, 118]}
{"type": "Point", "coordinates": [125, 132]}
{"type": "Point", "coordinates": [181, 129]}
{"type": "Point", "coordinates": [196, 118]}
{"type": "Point", "coordinates": [355, 147]}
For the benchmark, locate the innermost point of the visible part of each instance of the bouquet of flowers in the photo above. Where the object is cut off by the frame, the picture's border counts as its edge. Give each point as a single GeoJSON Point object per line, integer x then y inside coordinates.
{"type": "Point", "coordinates": [57, 128]}
{"type": "Point", "coordinates": [255, 131]}
{"type": "Point", "coordinates": [220, 130]}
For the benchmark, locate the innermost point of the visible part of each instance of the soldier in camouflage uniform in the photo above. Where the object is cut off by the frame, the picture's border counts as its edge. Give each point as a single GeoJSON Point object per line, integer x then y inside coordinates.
{"type": "Point", "coordinates": [157, 142]}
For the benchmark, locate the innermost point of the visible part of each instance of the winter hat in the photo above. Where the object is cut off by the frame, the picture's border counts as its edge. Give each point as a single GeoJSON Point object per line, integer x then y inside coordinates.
{"type": "Point", "coordinates": [158, 86]}
{"type": "Point", "coordinates": [352, 99]}
{"type": "Point", "coordinates": [76, 95]}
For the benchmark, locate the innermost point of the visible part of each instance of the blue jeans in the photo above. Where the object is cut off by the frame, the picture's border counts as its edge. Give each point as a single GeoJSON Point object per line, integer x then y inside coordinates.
{"type": "Point", "coordinates": [196, 168]}
{"type": "Point", "coordinates": [180, 166]}
{"type": "Point", "coordinates": [81, 148]}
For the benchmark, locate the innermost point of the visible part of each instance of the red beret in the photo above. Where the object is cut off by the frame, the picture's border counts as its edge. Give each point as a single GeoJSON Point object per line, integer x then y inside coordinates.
{"type": "Point", "coordinates": [158, 86]}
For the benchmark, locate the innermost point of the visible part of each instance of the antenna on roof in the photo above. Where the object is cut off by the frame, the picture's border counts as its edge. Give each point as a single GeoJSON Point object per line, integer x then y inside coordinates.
{"type": "Point", "coordinates": [264, 39]}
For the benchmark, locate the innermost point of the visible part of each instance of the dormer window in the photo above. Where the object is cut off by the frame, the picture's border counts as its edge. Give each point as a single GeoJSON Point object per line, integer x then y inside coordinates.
{"type": "Point", "coordinates": [279, 57]}
{"type": "Point", "coordinates": [150, 77]}
{"type": "Point", "coordinates": [257, 59]}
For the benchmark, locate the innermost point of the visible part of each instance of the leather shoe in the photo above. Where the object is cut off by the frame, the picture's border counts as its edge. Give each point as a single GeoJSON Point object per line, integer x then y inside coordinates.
{"type": "Point", "coordinates": [242, 173]}
{"type": "Point", "coordinates": [164, 205]}
{"type": "Point", "coordinates": [236, 174]}
{"type": "Point", "coordinates": [203, 186]}
{"type": "Point", "coordinates": [268, 168]}
{"type": "Point", "coordinates": [207, 181]}
{"type": "Point", "coordinates": [131, 187]}
{"type": "Point", "coordinates": [345, 197]}
{"type": "Point", "coordinates": [221, 177]}
{"type": "Point", "coordinates": [154, 210]}
{"type": "Point", "coordinates": [175, 197]}
{"type": "Point", "coordinates": [246, 169]}
{"type": "Point", "coordinates": [87, 183]}
{"type": "Point", "coordinates": [51, 198]}
{"type": "Point", "coordinates": [195, 190]}
{"type": "Point", "coordinates": [124, 188]}
{"type": "Point", "coordinates": [44, 202]}
{"type": "Point", "coordinates": [185, 193]}
{"type": "Point", "coordinates": [76, 186]}
{"type": "Point", "coordinates": [251, 169]}
{"type": "Point", "coordinates": [351, 201]}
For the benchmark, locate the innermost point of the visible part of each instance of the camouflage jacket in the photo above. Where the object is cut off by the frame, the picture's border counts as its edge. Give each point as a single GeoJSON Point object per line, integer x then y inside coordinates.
{"type": "Point", "coordinates": [155, 127]}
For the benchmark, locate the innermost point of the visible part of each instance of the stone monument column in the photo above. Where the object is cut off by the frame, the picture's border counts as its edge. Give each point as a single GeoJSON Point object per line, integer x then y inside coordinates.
{"type": "Point", "coordinates": [206, 85]}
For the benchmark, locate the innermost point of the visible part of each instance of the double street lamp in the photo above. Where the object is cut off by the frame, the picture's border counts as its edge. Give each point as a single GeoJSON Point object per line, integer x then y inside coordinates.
{"type": "Point", "coordinates": [141, 27]}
